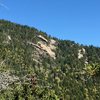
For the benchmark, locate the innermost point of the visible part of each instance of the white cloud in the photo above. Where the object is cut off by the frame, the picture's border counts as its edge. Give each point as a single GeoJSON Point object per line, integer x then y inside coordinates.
{"type": "Point", "coordinates": [4, 6]}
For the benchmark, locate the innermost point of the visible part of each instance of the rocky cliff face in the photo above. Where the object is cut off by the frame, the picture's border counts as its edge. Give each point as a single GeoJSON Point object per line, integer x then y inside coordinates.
{"type": "Point", "coordinates": [45, 46]}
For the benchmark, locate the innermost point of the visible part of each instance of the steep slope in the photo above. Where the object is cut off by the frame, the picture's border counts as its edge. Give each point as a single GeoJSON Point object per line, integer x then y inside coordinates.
{"type": "Point", "coordinates": [40, 67]}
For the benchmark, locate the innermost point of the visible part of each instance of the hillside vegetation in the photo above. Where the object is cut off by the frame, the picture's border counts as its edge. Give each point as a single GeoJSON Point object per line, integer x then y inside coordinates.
{"type": "Point", "coordinates": [36, 66]}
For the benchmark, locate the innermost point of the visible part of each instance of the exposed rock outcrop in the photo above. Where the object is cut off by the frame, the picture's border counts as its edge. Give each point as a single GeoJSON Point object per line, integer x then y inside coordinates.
{"type": "Point", "coordinates": [46, 46]}
{"type": "Point", "coordinates": [6, 79]}
{"type": "Point", "coordinates": [81, 53]}
{"type": "Point", "coordinates": [42, 38]}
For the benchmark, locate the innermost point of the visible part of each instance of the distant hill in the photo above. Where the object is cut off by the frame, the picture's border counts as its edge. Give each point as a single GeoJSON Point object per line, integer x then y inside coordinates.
{"type": "Point", "coordinates": [36, 66]}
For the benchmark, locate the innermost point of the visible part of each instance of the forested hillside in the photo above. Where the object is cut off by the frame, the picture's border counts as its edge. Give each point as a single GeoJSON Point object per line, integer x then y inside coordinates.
{"type": "Point", "coordinates": [36, 66]}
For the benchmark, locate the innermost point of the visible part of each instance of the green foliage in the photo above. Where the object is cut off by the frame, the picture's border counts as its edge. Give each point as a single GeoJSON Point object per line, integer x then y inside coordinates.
{"type": "Point", "coordinates": [65, 78]}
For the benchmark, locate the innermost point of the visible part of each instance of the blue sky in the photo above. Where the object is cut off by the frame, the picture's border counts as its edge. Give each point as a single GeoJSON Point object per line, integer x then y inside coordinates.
{"type": "Point", "coordinates": [77, 20]}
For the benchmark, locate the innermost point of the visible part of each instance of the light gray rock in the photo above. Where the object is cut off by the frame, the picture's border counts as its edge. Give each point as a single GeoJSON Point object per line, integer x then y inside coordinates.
{"type": "Point", "coordinates": [6, 79]}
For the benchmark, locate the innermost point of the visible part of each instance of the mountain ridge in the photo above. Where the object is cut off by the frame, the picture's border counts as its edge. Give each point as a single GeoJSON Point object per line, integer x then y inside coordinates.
{"type": "Point", "coordinates": [46, 68]}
